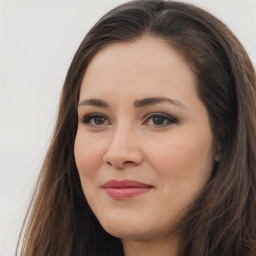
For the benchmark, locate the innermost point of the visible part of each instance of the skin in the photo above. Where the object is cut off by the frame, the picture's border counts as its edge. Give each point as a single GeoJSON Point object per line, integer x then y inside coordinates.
{"type": "Point", "coordinates": [173, 155]}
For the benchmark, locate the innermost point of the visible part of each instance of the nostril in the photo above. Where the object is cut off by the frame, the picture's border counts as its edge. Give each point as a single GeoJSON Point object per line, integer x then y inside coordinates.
{"type": "Point", "coordinates": [122, 161]}
{"type": "Point", "coordinates": [109, 163]}
{"type": "Point", "coordinates": [120, 165]}
{"type": "Point", "coordinates": [128, 162]}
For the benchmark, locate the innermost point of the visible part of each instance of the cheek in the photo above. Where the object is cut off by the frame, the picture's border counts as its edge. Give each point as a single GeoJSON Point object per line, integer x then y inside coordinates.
{"type": "Point", "coordinates": [88, 156]}
{"type": "Point", "coordinates": [181, 162]}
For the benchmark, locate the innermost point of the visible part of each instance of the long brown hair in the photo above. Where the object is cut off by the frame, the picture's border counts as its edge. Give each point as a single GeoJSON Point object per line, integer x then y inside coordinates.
{"type": "Point", "coordinates": [222, 220]}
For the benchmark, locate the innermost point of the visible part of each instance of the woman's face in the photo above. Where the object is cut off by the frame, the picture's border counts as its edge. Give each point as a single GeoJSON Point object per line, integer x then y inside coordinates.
{"type": "Point", "coordinates": [144, 147]}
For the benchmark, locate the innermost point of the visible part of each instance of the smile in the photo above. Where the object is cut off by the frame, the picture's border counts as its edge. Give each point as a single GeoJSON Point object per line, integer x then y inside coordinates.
{"type": "Point", "coordinates": [125, 189]}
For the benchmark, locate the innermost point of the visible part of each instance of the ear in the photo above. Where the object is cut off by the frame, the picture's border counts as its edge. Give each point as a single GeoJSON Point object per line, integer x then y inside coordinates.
{"type": "Point", "coordinates": [217, 158]}
{"type": "Point", "coordinates": [218, 149]}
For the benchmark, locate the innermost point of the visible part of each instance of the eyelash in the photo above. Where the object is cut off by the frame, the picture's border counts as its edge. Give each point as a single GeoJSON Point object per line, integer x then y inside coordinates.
{"type": "Point", "coordinates": [87, 118]}
{"type": "Point", "coordinates": [168, 120]}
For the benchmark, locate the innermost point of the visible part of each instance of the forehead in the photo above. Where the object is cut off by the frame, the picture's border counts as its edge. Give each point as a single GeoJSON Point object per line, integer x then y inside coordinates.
{"type": "Point", "coordinates": [147, 65]}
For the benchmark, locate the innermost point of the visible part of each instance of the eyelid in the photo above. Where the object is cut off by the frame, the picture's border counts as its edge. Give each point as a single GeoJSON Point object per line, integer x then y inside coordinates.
{"type": "Point", "coordinates": [171, 119]}
{"type": "Point", "coordinates": [85, 118]}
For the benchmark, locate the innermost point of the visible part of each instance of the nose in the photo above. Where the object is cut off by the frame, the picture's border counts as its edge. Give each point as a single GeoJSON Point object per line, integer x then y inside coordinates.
{"type": "Point", "coordinates": [124, 149]}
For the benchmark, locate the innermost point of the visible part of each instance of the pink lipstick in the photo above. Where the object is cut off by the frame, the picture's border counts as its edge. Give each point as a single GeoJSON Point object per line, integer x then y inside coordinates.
{"type": "Point", "coordinates": [125, 189]}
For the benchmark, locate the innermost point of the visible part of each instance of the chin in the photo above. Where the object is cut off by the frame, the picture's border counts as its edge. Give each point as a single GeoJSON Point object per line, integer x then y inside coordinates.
{"type": "Point", "coordinates": [128, 233]}
{"type": "Point", "coordinates": [124, 227]}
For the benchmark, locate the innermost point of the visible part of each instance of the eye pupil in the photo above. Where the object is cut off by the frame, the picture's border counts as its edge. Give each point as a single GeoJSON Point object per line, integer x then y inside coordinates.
{"type": "Point", "coordinates": [99, 120]}
{"type": "Point", "coordinates": [158, 120]}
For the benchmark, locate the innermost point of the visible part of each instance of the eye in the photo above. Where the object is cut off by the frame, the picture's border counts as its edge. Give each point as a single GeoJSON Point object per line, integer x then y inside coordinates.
{"type": "Point", "coordinates": [96, 120]}
{"type": "Point", "coordinates": [159, 120]}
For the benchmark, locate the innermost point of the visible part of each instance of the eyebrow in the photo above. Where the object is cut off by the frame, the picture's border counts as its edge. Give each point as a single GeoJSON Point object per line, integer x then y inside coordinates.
{"type": "Point", "coordinates": [137, 103]}
{"type": "Point", "coordinates": [152, 101]}
{"type": "Point", "coordinates": [93, 102]}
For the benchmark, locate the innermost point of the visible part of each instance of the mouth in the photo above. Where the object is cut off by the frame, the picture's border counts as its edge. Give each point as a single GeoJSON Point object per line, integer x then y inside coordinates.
{"type": "Point", "coordinates": [125, 189]}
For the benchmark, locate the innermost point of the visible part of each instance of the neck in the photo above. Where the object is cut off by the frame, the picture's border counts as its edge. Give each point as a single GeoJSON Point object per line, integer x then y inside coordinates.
{"type": "Point", "coordinates": [150, 248]}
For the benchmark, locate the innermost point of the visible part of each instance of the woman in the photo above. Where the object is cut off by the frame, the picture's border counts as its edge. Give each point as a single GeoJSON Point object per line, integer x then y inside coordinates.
{"type": "Point", "coordinates": [153, 151]}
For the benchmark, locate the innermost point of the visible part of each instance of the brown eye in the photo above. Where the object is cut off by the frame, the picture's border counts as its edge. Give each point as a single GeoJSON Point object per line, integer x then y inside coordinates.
{"type": "Point", "coordinates": [159, 120]}
{"type": "Point", "coordinates": [96, 120]}
{"type": "Point", "coordinates": [99, 120]}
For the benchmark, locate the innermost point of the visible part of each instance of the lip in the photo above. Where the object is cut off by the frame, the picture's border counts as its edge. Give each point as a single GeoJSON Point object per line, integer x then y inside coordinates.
{"type": "Point", "coordinates": [125, 189]}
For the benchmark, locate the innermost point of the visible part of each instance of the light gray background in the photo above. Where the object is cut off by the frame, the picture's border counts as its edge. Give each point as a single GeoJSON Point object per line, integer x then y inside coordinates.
{"type": "Point", "coordinates": [37, 42]}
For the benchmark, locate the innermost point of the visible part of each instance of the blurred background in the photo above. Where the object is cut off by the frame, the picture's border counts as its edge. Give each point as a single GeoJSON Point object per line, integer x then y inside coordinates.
{"type": "Point", "coordinates": [37, 42]}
